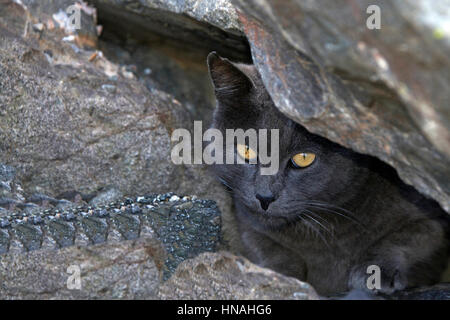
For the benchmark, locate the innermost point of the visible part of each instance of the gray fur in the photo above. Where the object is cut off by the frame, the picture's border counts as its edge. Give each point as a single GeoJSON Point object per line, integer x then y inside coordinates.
{"type": "Point", "coordinates": [331, 220]}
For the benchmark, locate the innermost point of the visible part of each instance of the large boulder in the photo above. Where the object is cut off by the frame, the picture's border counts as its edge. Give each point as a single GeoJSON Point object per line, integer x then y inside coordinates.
{"type": "Point", "coordinates": [225, 276]}
{"type": "Point", "coordinates": [133, 270]}
{"type": "Point", "coordinates": [203, 24]}
{"type": "Point", "coordinates": [122, 270]}
{"type": "Point", "coordinates": [170, 40]}
{"type": "Point", "coordinates": [73, 120]}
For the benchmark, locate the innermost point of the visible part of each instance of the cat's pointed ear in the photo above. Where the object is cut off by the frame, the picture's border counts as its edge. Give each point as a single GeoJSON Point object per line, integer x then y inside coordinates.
{"type": "Point", "coordinates": [229, 81]}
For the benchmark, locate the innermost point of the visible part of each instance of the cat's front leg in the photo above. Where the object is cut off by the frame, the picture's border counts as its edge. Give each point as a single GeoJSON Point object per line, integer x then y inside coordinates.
{"type": "Point", "coordinates": [413, 255]}
{"type": "Point", "coordinates": [265, 252]}
{"type": "Point", "coordinates": [379, 275]}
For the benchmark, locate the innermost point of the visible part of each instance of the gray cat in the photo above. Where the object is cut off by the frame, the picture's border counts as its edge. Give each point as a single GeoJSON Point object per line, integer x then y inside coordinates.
{"type": "Point", "coordinates": [328, 213]}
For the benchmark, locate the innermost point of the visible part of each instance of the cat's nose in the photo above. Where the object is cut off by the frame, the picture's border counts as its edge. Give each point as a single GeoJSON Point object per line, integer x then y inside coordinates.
{"type": "Point", "coordinates": [265, 200]}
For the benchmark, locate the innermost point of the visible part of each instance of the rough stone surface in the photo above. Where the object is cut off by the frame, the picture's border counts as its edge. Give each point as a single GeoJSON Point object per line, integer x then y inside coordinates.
{"type": "Point", "coordinates": [9, 186]}
{"type": "Point", "coordinates": [56, 14]}
{"type": "Point", "coordinates": [186, 226]}
{"type": "Point", "coordinates": [72, 120]}
{"type": "Point", "coordinates": [165, 43]}
{"type": "Point", "coordinates": [376, 91]}
{"type": "Point", "coordinates": [437, 292]}
{"type": "Point", "coordinates": [225, 276]}
{"type": "Point", "coordinates": [125, 270]}
{"type": "Point", "coordinates": [206, 25]}
{"type": "Point", "coordinates": [219, 13]}
{"type": "Point", "coordinates": [132, 270]}
{"type": "Point", "coordinates": [106, 195]}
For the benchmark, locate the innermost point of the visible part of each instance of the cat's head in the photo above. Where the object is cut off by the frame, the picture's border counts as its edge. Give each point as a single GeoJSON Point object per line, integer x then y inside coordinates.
{"type": "Point", "coordinates": [312, 170]}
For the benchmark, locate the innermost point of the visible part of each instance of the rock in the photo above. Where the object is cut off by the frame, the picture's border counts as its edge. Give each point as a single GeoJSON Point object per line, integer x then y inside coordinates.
{"type": "Point", "coordinates": [225, 276]}
{"type": "Point", "coordinates": [7, 173]}
{"type": "Point", "coordinates": [3, 212]}
{"type": "Point", "coordinates": [170, 243]}
{"type": "Point", "coordinates": [10, 187]}
{"type": "Point", "coordinates": [61, 131]}
{"type": "Point", "coordinates": [209, 25]}
{"type": "Point", "coordinates": [59, 15]}
{"type": "Point", "coordinates": [165, 44]}
{"type": "Point", "coordinates": [124, 270]}
{"type": "Point", "coordinates": [375, 91]}
{"type": "Point", "coordinates": [181, 232]}
{"type": "Point", "coordinates": [132, 270]}
{"type": "Point", "coordinates": [439, 291]}
{"type": "Point", "coordinates": [106, 195]}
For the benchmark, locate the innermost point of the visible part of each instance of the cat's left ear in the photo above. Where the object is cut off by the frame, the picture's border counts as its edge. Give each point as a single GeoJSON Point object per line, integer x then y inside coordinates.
{"type": "Point", "coordinates": [229, 81]}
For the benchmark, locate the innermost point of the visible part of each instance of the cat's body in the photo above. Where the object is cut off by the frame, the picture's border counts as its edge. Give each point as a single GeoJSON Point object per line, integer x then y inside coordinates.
{"type": "Point", "coordinates": [328, 222]}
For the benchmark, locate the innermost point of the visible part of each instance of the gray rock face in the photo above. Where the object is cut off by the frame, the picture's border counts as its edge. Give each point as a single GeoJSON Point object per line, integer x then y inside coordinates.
{"type": "Point", "coordinates": [125, 250]}
{"type": "Point", "coordinates": [167, 42]}
{"type": "Point", "coordinates": [132, 270]}
{"type": "Point", "coordinates": [9, 188]}
{"type": "Point", "coordinates": [186, 226]}
{"type": "Point", "coordinates": [72, 120]}
{"type": "Point", "coordinates": [123, 270]}
{"type": "Point", "coordinates": [437, 292]}
{"type": "Point", "coordinates": [225, 276]}
{"type": "Point", "coordinates": [206, 25]}
{"type": "Point", "coordinates": [219, 13]}
{"type": "Point", "coordinates": [376, 91]}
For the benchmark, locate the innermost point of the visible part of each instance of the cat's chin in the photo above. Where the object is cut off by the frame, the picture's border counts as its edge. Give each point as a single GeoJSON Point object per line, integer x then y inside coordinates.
{"type": "Point", "coordinates": [268, 219]}
{"type": "Point", "coordinates": [275, 222]}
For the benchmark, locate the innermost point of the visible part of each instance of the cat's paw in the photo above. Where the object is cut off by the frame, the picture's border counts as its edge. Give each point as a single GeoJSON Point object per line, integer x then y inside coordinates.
{"type": "Point", "coordinates": [376, 279]}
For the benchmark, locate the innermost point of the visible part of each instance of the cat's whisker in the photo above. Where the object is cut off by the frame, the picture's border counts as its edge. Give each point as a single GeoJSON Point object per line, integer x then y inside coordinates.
{"type": "Point", "coordinates": [309, 214]}
{"type": "Point", "coordinates": [328, 210]}
{"type": "Point", "coordinates": [324, 204]}
{"type": "Point", "coordinates": [329, 205]}
{"type": "Point", "coordinates": [330, 226]}
{"type": "Point", "coordinates": [313, 228]}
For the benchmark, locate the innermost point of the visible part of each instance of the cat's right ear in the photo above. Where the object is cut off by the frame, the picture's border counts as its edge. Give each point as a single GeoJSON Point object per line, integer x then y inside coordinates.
{"type": "Point", "coordinates": [228, 80]}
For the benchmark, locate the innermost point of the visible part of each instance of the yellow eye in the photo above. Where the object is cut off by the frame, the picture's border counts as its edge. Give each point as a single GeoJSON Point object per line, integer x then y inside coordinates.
{"type": "Point", "coordinates": [303, 160]}
{"type": "Point", "coordinates": [246, 152]}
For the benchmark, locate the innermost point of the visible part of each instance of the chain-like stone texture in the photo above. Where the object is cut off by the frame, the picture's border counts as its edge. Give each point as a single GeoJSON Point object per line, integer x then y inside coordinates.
{"type": "Point", "coordinates": [186, 226]}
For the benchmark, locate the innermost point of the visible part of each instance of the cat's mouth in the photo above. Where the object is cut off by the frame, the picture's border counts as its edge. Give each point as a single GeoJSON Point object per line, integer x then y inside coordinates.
{"type": "Point", "coordinates": [273, 216]}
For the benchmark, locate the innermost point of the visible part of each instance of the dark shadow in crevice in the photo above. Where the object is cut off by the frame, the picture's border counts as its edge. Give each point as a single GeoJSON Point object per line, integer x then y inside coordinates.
{"type": "Point", "coordinates": [167, 52]}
